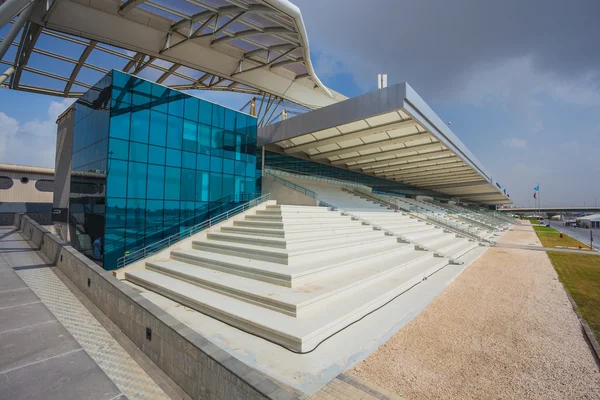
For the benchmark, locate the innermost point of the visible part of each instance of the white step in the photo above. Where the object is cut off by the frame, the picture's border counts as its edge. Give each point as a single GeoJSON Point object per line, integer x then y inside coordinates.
{"type": "Point", "coordinates": [458, 249]}
{"type": "Point", "coordinates": [291, 275]}
{"type": "Point", "coordinates": [308, 231]}
{"type": "Point", "coordinates": [285, 256]}
{"type": "Point", "coordinates": [299, 224]}
{"type": "Point", "coordinates": [313, 241]}
{"type": "Point", "coordinates": [301, 300]}
{"type": "Point", "coordinates": [299, 334]}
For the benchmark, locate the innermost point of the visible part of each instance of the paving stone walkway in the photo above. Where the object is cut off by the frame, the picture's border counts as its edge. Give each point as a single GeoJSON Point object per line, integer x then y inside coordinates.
{"type": "Point", "coordinates": [51, 345]}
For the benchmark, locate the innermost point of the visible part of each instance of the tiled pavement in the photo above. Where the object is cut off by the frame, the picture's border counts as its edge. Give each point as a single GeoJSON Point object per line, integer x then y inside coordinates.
{"type": "Point", "coordinates": [130, 379]}
{"type": "Point", "coordinates": [36, 284]}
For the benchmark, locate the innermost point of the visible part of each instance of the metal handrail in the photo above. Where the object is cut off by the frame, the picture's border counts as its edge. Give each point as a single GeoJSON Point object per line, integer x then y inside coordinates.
{"type": "Point", "coordinates": [291, 185]}
{"type": "Point", "coordinates": [168, 241]}
{"type": "Point", "coordinates": [317, 178]}
{"type": "Point", "coordinates": [430, 216]}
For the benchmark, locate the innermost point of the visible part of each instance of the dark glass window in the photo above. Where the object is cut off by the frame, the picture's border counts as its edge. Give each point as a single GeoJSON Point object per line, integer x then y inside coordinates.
{"type": "Point", "coordinates": [5, 183]}
{"type": "Point", "coordinates": [203, 162]}
{"type": "Point", "coordinates": [42, 185]}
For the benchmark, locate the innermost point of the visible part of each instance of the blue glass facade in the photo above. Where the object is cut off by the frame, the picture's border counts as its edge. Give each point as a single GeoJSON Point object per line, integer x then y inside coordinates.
{"type": "Point", "coordinates": [166, 157]}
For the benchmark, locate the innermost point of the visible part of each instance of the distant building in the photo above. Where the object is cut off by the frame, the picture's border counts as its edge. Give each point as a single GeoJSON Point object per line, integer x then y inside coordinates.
{"type": "Point", "coordinates": [28, 190]}
{"type": "Point", "coordinates": [589, 221]}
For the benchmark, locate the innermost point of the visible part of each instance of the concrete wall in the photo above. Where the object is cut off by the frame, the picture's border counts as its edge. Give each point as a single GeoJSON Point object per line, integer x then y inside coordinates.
{"type": "Point", "coordinates": [286, 195]}
{"type": "Point", "coordinates": [200, 368]}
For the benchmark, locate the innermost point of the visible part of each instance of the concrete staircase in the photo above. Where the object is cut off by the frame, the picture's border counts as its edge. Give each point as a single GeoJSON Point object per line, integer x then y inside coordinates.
{"type": "Point", "coordinates": [293, 275]}
{"type": "Point", "coordinates": [425, 235]}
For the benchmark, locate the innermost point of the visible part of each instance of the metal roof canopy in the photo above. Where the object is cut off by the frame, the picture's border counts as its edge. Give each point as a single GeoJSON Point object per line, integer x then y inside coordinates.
{"type": "Point", "coordinates": [248, 46]}
{"type": "Point", "coordinates": [390, 133]}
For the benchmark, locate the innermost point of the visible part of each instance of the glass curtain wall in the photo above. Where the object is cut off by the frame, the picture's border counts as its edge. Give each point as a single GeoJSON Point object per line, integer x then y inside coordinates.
{"type": "Point", "coordinates": [170, 158]}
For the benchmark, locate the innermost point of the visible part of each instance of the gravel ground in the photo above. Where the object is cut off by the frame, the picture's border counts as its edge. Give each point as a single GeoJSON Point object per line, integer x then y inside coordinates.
{"type": "Point", "coordinates": [520, 234]}
{"type": "Point", "coordinates": [504, 329]}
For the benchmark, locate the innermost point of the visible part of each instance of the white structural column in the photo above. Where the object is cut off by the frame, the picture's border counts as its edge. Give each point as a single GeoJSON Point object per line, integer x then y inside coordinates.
{"type": "Point", "coordinates": [14, 30]}
{"type": "Point", "coordinates": [12, 8]}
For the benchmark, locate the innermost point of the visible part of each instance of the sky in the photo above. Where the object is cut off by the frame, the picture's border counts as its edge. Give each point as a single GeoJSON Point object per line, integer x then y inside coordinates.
{"type": "Point", "coordinates": [519, 82]}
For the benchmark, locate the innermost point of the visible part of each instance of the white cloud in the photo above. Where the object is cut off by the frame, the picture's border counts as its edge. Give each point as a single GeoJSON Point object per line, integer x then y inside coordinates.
{"type": "Point", "coordinates": [515, 143]}
{"type": "Point", "coordinates": [32, 142]}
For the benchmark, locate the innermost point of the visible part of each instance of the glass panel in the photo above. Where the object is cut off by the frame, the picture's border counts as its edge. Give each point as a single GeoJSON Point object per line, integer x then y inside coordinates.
{"type": "Point", "coordinates": [189, 135]}
{"type": "Point", "coordinates": [114, 246]}
{"type": "Point", "coordinates": [174, 158]}
{"type": "Point", "coordinates": [189, 160]}
{"type": "Point", "coordinates": [154, 221]}
{"type": "Point", "coordinates": [161, 96]}
{"type": "Point", "coordinates": [200, 212]}
{"type": "Point", "coordinates": [156, 179]}
{"type": "Point", "coordinates": [228, 185]}
{"type": "Point", "coordinates": [119, 126]}
{"type": "Point", "coordinates": [136, 214]}
{"type": "Point", "coordinates": [228, 166]}
{"type": "Point", "coordinates": [216, 190]}
{"type": "Point", "coordinates": [250, 169]}
{"type": "Point", "coordinates": [171, 218]}
{"type": "Point", "coordinates": [187, 213]}
{"type": "Point", "coordinates": [172, 183]}
{"type": "Point", "coordinates": [118, 149]}
{"type": "Point", "coordinates": [230, 119]}
{"type": "Point", "coordinates": [115, 212]}
{"type": "Point", "coordinates": [202, 185]}
{"type": "Point", "coordinates": [216, 142]}
{"type": "Point", "coordinates": [140, 125]}
{"type": "Point", "coordinates": [188, 184]}
{"type": "Point", "coordinates": [204, 142]}
{"type": "Point", "coordinates": [240, 126]}
{"type": "Point", "coordinates": [117, 179]}
{"type": "Point", "coordinates": [203, 162]}
{"type": "Point", "coordinates": [216, 164]}
{"type": "Point", "coordinates": [176, 103]}
{"type": "Point", "coordinates": [240, 168]}
{"type": "Point", "coordinates": [191, 108]}
{"type": "Point", "coordinates": [156, 155]}
{"type": "Point", "coordinates": [136, 180]}
{"type": "Point", "coordinates": [229, 145]}
{"type": "Point", "coordinates": [138, 152]}
{"type": "Point", "coordinates": [158, 128]}
{"type": "Point", "coordinates": [218, 116]}
{"type": "Point", "coordinates": [175, 132]}
{"type": "Point", "coordinates": [141, 93]}
{"type": "Point", "coordinates": [205, 112]}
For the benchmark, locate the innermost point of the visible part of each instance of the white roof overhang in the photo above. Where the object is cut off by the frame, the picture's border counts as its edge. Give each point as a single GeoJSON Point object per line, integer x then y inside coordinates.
{"type": "Point", "coordinates": [391, 134]}
{"type": "Point", "coordinates": [248, 46]}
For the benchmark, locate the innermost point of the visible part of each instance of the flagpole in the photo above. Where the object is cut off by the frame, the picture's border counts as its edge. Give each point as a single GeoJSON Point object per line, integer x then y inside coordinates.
{"type": "Point", "coordinates": [539, 203]}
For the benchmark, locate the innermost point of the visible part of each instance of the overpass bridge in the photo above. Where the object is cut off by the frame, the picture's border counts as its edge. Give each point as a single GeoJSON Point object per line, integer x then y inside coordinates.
{"type": "Point", "coordinates": [551, 210]}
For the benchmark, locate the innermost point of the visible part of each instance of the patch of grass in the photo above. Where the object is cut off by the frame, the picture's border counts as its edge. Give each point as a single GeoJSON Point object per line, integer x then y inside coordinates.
{"type": "Point", "coordinates": [544, 229]}
{"type": "Point", "coordinates": [551, 238]}
{"type": "Point", "coordinates": [534, 221]}
{"type": "Point", "coordinates": [581, 276]}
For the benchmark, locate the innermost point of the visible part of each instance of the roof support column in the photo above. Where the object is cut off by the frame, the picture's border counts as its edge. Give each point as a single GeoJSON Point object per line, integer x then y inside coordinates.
{"type": "Point", "coordinates": [14, 30]}
{"type": "Point", "coordinates": [12, 8]}
{"type": "Point", "coordinates": [9, 71]}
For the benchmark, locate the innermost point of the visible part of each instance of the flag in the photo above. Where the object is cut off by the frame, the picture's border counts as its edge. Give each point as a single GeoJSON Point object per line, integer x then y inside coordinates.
{"type": "Point", "coordinates": [534, 195]}
{"type": "Point", "coordinates": [536, 188]}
